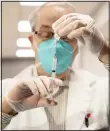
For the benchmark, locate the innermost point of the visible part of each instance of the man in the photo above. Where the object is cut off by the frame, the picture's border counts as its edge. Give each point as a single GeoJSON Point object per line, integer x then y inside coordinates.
{"type": "Point", "coordinates": [74, 100]}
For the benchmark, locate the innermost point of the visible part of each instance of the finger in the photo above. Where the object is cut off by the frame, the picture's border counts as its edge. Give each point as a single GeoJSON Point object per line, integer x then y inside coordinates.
{"type": "Point", "coordinates": [77, 15]}
{"type": "Point", "coordinates": [31, 102]}
{"type": "Point", "coordinates": [65, 23]}
{"type": "Point", "coordinates": [46, 82]}
{"type": "Point", "coordinates": [76, 33]}
{"type": "Point", "coordinates": [57, 82]}
{"type": "Point", "coordinates": [78, 24]}
{"type": "Point", "coordinates": [86, 18]}
{"type": "Point", "coordinates": [60, 20]}
{"type": "Point", "coordinates": [70, 27]}
{"type": "Point", "coordinates": [65, 17]}
{"type": "Point", "coordinates": [72, 15]}
{"type": "Point", "coordinates": [41, 87]}
{"type": "Point", "coordinates": [29, 84]}
{"type": "Point", "coordinates": [80, 16]}
{"type": "Point", "coordinates": [43, 102]}
{"type": "Point", "coordinates": [25, 92]}
{"type": "Point", "coordinates": [50, 86]}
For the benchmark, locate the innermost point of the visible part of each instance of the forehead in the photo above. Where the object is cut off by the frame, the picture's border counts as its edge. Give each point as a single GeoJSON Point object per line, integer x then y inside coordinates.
{"type": "Point", "coordinates": [48, 15]}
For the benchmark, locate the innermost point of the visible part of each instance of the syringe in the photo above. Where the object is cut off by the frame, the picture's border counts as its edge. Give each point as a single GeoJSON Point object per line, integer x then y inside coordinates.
{"type": "Point", "coordinates": [54, 65]}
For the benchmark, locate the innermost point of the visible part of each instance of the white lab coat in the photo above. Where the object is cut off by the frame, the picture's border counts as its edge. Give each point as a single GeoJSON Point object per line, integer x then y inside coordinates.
{"type": "Point", "coordinates": [87, 93]}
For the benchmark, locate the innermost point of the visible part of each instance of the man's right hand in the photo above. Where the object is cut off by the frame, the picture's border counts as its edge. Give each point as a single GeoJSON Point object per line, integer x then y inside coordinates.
{"type": "Point", "coordinates": [32, 93]}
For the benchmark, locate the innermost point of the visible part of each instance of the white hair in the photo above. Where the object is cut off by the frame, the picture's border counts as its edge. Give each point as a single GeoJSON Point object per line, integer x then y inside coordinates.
{"type": "Point", "coordinates": [33, 16]}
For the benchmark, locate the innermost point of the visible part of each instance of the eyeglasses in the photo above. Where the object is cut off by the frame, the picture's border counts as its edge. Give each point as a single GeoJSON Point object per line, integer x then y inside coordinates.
{"type": "Point", "coordinates": [44, 34]}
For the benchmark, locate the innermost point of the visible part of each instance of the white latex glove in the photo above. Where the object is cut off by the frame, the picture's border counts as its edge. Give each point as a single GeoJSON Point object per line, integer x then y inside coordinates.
{"type": "Point", "coordinates": [81, 27]}
{"type": "Point", "coordinates": [32, 93]}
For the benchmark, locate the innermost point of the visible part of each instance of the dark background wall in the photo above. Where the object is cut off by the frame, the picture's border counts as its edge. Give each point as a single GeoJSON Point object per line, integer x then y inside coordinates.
{"type": "Point", "coordinates": [11, 67]}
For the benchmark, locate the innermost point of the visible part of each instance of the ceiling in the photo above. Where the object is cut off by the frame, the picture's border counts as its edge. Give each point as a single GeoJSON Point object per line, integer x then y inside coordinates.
{"type": "Point", "coordinates": [13, 12]}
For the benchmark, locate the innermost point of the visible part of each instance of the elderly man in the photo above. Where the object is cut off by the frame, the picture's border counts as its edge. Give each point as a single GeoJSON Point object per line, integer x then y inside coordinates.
{"type": "Point", "coordinates": [75, 99]}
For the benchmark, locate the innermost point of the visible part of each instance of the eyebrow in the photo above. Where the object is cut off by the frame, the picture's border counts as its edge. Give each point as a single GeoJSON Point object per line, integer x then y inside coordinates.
{"type": "Point", "coordinates": [46, 27]}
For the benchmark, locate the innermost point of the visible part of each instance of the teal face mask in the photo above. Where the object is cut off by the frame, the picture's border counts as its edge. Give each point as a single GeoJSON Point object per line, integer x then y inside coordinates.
{"type": "Point", "coordinates": [64, 54]}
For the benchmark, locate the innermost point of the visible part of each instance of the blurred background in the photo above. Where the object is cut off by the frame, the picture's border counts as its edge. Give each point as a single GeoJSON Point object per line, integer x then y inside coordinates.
{"type": "Point", "coordinates": [16, 49]}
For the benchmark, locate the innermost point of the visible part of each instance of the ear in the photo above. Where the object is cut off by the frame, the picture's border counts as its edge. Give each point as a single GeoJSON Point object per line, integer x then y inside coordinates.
{"type": "Point", "coordinates": [30, 38]}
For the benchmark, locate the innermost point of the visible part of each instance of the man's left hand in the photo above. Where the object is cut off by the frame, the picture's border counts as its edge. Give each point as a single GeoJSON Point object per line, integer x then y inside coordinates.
{"type": "Point", "coordinates": [81, 27]}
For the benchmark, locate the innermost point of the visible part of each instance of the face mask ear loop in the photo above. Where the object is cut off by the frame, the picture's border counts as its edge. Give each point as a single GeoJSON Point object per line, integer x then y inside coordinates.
{"type": "Point", "coordinates": [66, 82]}
{"type": "Point", "coordinates": [35, 73]}
{"type": "Point", "coordinates": [34, 43]}
{"type": "Point", "coordinates": [75, 49]}
{"type": "Point", "coordinates": [70, 69]}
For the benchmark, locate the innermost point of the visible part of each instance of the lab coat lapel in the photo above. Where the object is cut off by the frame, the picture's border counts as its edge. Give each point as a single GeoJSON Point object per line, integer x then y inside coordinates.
{"type": "Point", "coordinates": [79, 99]}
